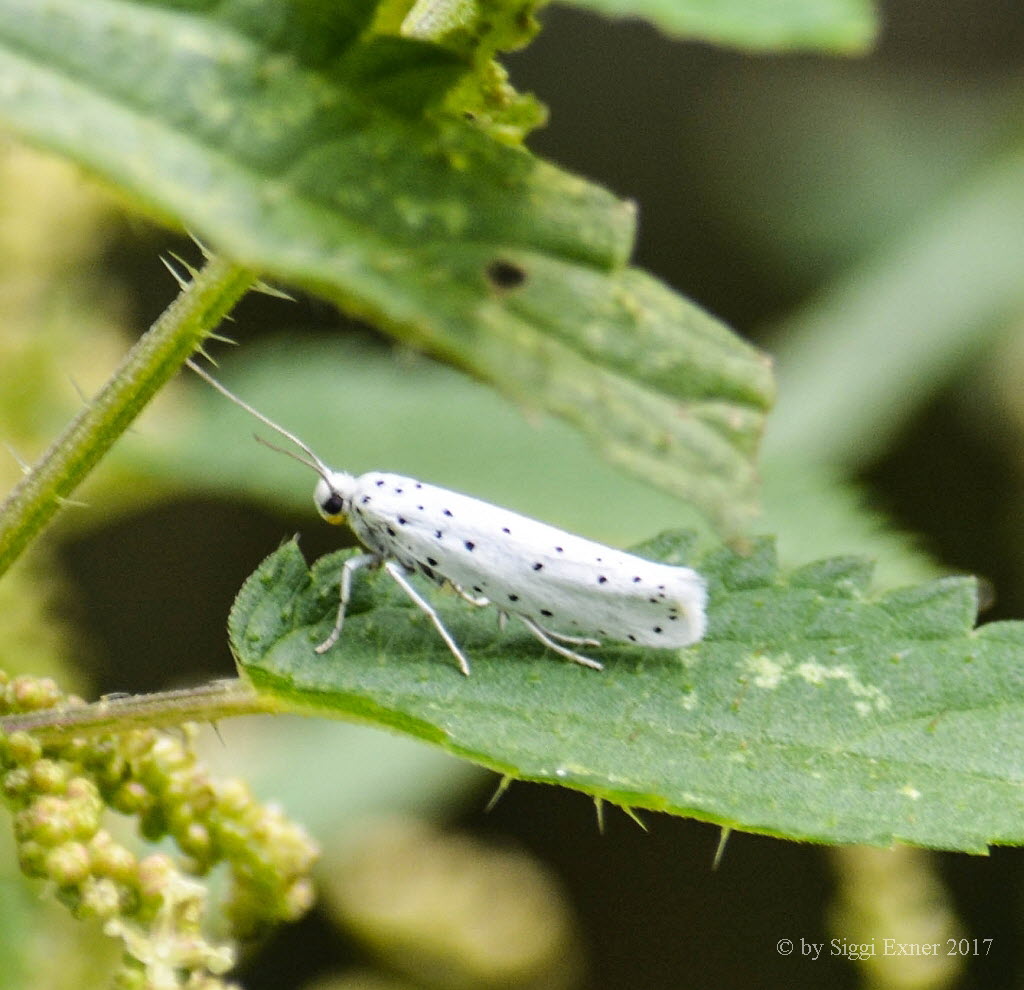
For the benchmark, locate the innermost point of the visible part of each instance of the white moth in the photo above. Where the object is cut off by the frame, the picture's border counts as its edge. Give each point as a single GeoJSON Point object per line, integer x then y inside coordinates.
{"type": "Point", "coordinates": [565, 589]}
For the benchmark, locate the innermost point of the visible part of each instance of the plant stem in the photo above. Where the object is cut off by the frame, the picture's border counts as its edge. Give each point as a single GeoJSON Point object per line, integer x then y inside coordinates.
{"type": "Point", "coordinates": [150, 364]}
{"type": "Point", "coordinates": [163, 708]}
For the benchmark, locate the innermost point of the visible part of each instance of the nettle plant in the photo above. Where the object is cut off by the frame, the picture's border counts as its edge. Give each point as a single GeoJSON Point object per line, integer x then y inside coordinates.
{"type": "Point", "coordinates": [371, 152]}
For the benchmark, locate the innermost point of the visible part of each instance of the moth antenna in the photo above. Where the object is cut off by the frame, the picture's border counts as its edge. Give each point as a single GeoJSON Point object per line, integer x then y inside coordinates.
{"type": "Point", "coordinates": [315, 465]}
{"type": "Point", "coordinates": [314, 462]}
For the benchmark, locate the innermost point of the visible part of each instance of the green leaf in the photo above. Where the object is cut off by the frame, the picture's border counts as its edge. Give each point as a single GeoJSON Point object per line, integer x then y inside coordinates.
{"type": "Point", "coordinates": [847, 26]}
{"type": "Point", "coordinates": [479, 30]}
{"type": "Point", "coordinates": [291, 149]}
{"type": "Point", "coordinates": [811, 711]}
{"type": "Point", "coordinates": [360, 406]}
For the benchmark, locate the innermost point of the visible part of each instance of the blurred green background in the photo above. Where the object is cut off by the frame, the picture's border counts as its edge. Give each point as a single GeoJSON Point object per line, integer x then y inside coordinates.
{"type": "Point", "coordinates": [861, 218]}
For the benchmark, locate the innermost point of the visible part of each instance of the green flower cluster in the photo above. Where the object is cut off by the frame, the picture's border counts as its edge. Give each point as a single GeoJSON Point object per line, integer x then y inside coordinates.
{"type": "Point", "coordinates": [59, 792]}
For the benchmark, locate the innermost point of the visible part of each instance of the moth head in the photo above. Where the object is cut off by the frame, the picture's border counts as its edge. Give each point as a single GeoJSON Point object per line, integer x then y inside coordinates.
{"type": "Point", "coordinates": [333, 496]}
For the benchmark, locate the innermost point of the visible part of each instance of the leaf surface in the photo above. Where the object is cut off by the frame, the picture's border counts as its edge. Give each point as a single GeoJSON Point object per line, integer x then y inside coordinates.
{"type": "Point", "coordinates": [847, 26]}
{"type": "Point", "coordinates": [297, 141]}
{"type": "Point", "coordinates": [811, 710]}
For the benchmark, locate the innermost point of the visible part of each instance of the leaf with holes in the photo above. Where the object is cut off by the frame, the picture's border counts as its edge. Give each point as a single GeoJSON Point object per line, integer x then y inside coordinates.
{"type": "Point", "coordinates": [298, 140]}
{"type": "Point", "coordinates": [812, 710]}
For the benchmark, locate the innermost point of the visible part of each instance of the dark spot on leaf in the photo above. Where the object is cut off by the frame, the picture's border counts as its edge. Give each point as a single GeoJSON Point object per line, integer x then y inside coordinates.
{"type": "Point", "coordinates": [431, 561]}
{"type": "Point", "coordinates": [601, 579]}
{"type": "Point", "coordinates": [469, 545]}
{"type": "Point", "coordinates": [547, 613]}
{"type": "Point", "coordinates": [513, 598]}
{"type": "Point", "coordinates": [438, 533]}
{"type": "Point", "coordinates": [503, 274]}
{"type": "Point", "coordinates": [538, 566]}
{"type": "Point", "coordinates": [505, 529]}
{"type": "Point", "coordinates": [657, 629]}
{"type": "Point", "coordinates": [447, 512]}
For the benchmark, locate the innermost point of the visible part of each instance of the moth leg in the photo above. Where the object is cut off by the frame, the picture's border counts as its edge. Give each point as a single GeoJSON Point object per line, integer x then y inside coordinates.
{"type": "Point", "coordinates": [423, 605]}
{"type": "Point", "coordinates": [572, 640]}
{"type": "Point", "coordinates": [557, 647]}
{"type": "Point", "coordinates": [348, 569]}
{"type": "Point", "coordinates": [466, 597]}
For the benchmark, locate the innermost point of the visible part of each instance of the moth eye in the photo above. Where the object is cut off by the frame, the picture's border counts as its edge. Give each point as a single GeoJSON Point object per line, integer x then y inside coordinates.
{"type": "Point", "coordinates": [333, 505]}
